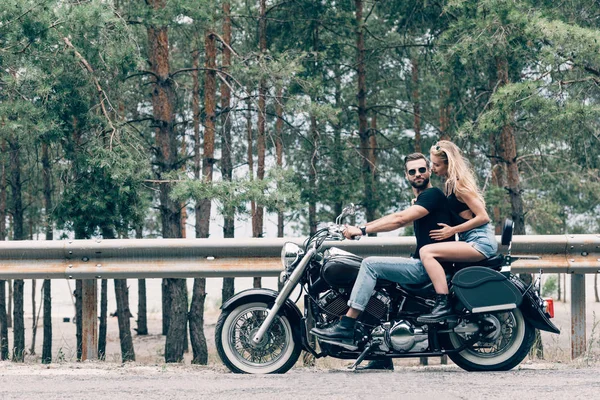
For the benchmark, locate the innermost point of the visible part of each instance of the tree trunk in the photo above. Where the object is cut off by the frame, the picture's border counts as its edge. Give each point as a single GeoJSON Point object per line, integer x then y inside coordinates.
{"type": "Point", "coordinates": [196, 314]}
{"type": "Point", "coordinates": [338, 147]}
{"type": "Point", "coordinates": [444, 109]}
{"type": "Point", "coordinates": [258, 212]}
{"type": "Point", "coordinates": [196, 318]}
{"type": "Point", "coordinates": [78, 316]}
{"type": "Point", "coordinates": [226, 143]}
{"type": "Point", "coordinates": [47, 342]}
{"type": "Point", "coordinates": [3, 315]}
{"type": "Point", "coordinates": [3, 323]}
{"type": "Point", "coordinates": [123, 317]}
{"type": "Point", "coordinates": [102, 329]}
{"type": "Point", "coordinates": [256, 282]}
{"type": "Point", "coordinates": [498, 180]}
{"type": "Point", "coordinates": [208, 160]}
{"type": "Point", "coordinates": [279, 147]}
{"type": "Point", "coordinates": [47, 300]}
{"type": "Point", "coordinates": [416, 103]}
{"type": "Point", "coordinates": [18, 234]}
{"type": "Point", "coordinates": [176, 336]}
{"type": "Point", "coordinates": [34, 317]}
{"type": "Point", "coordinates": [19, 323]}
{"type": "Point", "coordinates": [363, 128]}
{"type": "Point", "coordinates": [373, 163]}
{"type": "Point", "coordinates": [261, 118]}
{"type": "Point", "coordinates": [312, 176]}
{"type": "Point", "coordinates": [508, 155]}
{"type": "Point", "coordinates": [558, 297]}
{"type": "Point", "coordinates": [142, 320]}
{"type": "Point", "coordinates": [166, 306]}
{"type": "Point", "coordinates": [163, 95]}
{"type": "Point", "coordinates": [9, 306]}
{"type": "Point", "coordinates": [3, 234]}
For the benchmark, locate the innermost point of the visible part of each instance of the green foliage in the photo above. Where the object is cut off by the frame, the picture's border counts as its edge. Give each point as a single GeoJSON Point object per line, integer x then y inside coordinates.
{"type": "Point", "coordinates": [277, 192]}
{"type": "Point", "coordinates": [550, 287]}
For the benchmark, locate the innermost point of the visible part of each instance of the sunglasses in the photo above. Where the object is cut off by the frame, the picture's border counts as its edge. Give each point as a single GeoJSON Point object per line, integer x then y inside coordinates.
{"type": "Point", "coordinates": [413, 172]}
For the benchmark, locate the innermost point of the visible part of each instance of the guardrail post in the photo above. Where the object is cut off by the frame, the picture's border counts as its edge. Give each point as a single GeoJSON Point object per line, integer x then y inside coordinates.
{"type": "Point", "coordinates": [578, 338]}
{"type": "Point", "coordinates": [89, 320]}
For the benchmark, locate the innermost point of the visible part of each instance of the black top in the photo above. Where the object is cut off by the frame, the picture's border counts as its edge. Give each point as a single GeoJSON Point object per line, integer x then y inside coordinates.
{"type": "Point", "coordinates": [434, 201]}
{"type": "Point", "coordinates": [456, 207]}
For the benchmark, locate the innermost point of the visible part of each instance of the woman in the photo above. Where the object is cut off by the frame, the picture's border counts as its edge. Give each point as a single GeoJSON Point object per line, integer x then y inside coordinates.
{"type": "Point", "coordinates": [477, 241]}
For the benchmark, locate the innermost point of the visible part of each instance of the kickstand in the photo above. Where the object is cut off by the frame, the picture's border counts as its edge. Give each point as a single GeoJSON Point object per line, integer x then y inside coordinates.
{"type": "Point", "coordinates": [362, 356]}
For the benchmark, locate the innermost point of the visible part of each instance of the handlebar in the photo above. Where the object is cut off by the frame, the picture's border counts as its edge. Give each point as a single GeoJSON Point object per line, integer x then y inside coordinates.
{"type": "Point", "coordinates": [336, 232]}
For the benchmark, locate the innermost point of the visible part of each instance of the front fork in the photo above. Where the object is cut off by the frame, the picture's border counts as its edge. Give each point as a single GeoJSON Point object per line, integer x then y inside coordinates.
{"type": "Point", "coordinates": [287, 289]}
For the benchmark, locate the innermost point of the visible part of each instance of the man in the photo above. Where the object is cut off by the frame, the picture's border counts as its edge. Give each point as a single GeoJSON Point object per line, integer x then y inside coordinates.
{"type": "Point", "coordinates": [429, 209]}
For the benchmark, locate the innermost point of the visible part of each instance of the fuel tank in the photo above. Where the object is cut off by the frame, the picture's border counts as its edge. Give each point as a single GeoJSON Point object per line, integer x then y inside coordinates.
{"type": "Point", "coordinates": [340, 269]}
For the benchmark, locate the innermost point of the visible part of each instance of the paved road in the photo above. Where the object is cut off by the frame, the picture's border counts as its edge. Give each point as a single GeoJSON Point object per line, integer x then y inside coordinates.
{"type": "Point", "coordinates": [102, 381]}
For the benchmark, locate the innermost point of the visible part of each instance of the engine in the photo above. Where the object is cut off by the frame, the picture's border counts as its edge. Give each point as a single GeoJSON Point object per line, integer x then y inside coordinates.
{"type": "Point", "coordinates": [400, 336]}
{"type": "Point", "coordinates": [335, 304]}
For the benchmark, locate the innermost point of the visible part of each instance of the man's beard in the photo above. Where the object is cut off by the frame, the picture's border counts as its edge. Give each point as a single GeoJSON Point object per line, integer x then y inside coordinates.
{"type": "Point", "coordinates": [421, 185]}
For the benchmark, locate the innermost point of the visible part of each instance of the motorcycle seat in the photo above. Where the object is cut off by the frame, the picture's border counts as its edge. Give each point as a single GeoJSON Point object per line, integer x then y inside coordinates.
{"type": "Point", "coordinates": [494, 263]}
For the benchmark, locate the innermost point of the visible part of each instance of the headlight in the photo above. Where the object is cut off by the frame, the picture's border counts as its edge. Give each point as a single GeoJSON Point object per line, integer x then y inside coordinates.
{"type": "Point", "coordinates": [290, 254]}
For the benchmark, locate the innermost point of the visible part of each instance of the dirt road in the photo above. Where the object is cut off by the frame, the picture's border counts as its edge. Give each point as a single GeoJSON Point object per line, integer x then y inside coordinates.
{"type": "Point", "coordinates": [102, 381]}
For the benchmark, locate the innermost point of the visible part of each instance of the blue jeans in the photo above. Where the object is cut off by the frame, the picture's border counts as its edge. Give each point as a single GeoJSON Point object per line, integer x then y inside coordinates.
{"type": "Point", "coordinates": [482, 239]}
{"type": "Point", "coordinates": [396, 269]}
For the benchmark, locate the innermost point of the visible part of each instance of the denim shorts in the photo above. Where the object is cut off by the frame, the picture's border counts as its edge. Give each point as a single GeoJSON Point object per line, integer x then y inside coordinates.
{"type": "Point", "coordinates": [482, 239]}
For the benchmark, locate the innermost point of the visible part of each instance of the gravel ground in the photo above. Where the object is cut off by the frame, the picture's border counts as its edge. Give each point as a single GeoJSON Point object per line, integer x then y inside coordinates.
{"type": "Point", "coordinates": [101, 381]}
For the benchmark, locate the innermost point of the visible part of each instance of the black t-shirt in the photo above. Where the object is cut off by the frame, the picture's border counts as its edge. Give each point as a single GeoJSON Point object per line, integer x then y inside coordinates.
{"type": "Point", "coordinates": [434, 201]}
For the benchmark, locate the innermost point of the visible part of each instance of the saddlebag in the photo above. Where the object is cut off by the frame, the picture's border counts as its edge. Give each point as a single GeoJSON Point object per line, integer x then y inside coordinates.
{"type": "Point", "coordinates": [482, 289]}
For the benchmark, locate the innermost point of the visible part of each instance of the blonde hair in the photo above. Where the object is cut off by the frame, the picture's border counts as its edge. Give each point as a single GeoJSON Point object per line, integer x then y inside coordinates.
{"type": "Point", "coordinates": [460, 177]}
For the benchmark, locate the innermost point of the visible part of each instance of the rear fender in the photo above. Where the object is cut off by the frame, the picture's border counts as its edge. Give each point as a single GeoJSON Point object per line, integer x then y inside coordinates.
{"type": "Point", "coordinates": [532, 307]}
{"type": "Point", "coordinates": [289, 309]}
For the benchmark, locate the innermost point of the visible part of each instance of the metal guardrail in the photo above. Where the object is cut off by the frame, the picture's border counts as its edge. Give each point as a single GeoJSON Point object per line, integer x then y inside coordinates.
{"type": "Point", "coordinates": [190, 258]}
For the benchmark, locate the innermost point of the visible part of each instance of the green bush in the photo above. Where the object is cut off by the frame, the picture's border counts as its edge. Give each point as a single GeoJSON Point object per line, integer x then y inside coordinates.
{"type": "Point", "coordinates": [550, 287]}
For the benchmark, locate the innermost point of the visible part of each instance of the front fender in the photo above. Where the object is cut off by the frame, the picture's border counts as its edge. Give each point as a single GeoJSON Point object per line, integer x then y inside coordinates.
{"type": "Point", "coordinates": [289, 309]}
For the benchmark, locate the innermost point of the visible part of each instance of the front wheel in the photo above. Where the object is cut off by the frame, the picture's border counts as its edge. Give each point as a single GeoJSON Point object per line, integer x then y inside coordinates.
{"type": "Point", "coordinates": [503, 349]}
{"type": "Point", "coordinates": [276, 353]}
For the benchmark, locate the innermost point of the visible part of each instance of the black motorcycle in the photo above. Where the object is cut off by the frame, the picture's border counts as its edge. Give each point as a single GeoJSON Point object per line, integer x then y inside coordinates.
{"type": "Point", "coordinates": [263, 331]}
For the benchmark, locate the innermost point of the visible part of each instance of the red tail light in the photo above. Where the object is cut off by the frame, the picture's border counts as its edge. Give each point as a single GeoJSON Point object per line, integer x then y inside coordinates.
{"type": "Point", "coordinates": [549, 306]}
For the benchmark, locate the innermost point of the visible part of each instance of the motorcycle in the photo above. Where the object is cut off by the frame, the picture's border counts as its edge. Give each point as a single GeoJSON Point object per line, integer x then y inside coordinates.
{"type": "Point", "coordinates": [262, 331]}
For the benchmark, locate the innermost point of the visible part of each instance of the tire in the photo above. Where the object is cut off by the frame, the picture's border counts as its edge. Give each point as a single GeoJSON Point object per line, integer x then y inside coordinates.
{"type": "Point", "coordinates": [513, 340]}
{"type": "Point", "coordinates": [277, 352]}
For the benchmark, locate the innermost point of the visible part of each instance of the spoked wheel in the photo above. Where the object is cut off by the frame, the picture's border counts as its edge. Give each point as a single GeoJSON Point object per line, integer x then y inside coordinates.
{"type": "Point", "coordinates": [507, 344]}
{"type": "Point", "coordinates": [276, 353]}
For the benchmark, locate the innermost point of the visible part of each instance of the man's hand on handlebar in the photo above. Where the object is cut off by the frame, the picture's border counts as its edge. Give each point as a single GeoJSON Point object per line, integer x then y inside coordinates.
{"type": "Point", "coordinates": [351, 232]}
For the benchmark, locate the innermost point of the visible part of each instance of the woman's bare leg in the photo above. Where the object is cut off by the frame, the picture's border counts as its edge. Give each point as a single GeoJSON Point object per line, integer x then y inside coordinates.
{"type": "Point", "coordinates": [432, 254]}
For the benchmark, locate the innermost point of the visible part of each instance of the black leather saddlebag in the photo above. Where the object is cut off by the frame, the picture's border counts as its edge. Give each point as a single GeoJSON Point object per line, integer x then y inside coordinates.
{"type": "Point", "coordinates": [481, 289]}
{"type": "Point", "coordinates": [341, 270]}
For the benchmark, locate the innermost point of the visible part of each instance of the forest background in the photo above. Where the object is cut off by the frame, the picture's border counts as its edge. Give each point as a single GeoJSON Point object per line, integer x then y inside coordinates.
{"type": "Point", "coordinates": [132, 118]}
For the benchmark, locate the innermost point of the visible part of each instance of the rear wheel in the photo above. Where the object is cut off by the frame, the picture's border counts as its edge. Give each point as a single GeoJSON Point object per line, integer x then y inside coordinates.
{"type": "Point", "coordinates": [502, 349]}
{"type": "Point", "coordinates": [276, 353]}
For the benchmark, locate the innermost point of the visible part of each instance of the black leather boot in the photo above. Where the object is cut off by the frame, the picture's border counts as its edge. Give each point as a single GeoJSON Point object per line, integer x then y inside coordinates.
{"type": "Point", "coordinates": [341, 332]}
{"type": "Point", "coordinates": [385, 364]}
{"type": "Point", "coordinates": [441, 310]}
